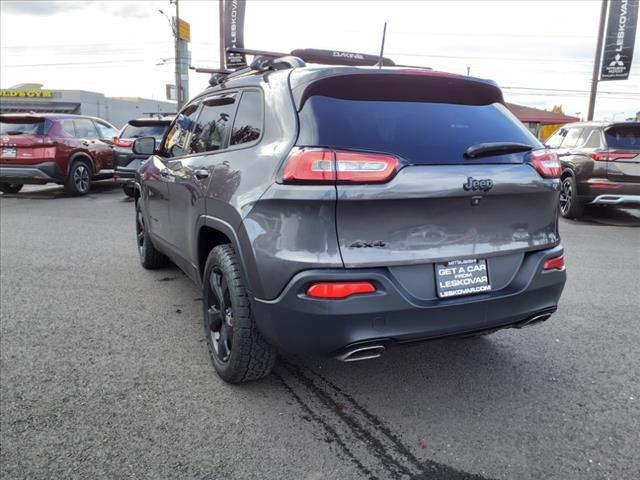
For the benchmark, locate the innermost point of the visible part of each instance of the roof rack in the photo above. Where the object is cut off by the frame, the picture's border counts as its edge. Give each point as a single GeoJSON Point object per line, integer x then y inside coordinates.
{"type": "Point", "coordinates": [265, 61]}
{"type": "Point", "coordinates": [325, 57]}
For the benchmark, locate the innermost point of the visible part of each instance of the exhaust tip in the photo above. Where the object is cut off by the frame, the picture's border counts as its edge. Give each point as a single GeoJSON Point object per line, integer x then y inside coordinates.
{"type": "Point", "coordinates": [539, 318]}
{"type": "Point", "coordinates": [361, 353]}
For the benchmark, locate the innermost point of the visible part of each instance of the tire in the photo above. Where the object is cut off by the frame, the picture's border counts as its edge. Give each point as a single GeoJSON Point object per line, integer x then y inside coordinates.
{"type": "Point", "coordinates": [10, 187]}
{"type": "Point", "coordinates": [570, 206]}
{"type": "Point", "coordinates": [238, 351]}
{"type": "Point", "coordinates": [79, 179]}
{"type": "Point", "coordinates": [129, 191]}
{"type": "Point", "coordinates": [150, 258]}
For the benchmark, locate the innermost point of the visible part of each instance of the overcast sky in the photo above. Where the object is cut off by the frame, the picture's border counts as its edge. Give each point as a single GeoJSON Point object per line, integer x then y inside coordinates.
{"type": "Point", "coordinates": [115, 47]}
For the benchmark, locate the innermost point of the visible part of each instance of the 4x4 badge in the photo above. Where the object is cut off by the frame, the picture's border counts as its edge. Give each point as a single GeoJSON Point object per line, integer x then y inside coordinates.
{"type": "Point", "coordinates": [484, 184]}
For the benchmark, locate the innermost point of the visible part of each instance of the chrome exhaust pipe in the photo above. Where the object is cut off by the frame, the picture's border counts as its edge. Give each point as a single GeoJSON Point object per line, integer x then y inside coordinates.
{"type": "Point", "coordinates": [361, 353]}
{"type": "Point", "coordinates": [541, 317]}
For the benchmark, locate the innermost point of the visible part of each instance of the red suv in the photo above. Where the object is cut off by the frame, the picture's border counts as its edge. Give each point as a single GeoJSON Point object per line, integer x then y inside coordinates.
{"type": "Point", "coordinates": [70, 150]}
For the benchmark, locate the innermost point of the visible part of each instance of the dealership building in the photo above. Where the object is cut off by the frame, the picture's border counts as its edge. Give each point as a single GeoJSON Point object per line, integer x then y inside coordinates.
{"type": "Point", "coordinates": [32, 97]}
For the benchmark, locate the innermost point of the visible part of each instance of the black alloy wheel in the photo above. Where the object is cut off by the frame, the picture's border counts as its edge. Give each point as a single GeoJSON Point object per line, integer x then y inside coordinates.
{"type": "Point", "coordinates": [150, 257]}
{"type": "Point", "coordinates": [219, 315]}
{"type": "Point", "coordinates": [566, 196]}
{"type": "Point", "coordinates": [79, 179]}
{"type": "Point", "coordinates": [570, 206]}
{"type": "Point", "coordinates": [238, 351]}
{"type": "Point", "coordinates": [10, 187]}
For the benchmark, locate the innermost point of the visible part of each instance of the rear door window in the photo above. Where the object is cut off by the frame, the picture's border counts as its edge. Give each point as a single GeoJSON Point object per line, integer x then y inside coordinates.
{"type": "Point", "coordinates": [67, 128]}
{"type": "Point", "coordinates": [211, 127]}
{"type": "Point", "coordinates": [106, 131]}
{"type": "Point", "coordinates": [420, 132]}
{"type": "Point", "coordinates": [623, 137]}
{"type": "Point", "coordinates": [572, 138]}
{"type": "Point", "coordinates": [85, 128]}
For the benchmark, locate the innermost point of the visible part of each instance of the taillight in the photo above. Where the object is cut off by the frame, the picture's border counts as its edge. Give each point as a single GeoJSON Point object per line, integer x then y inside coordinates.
{"type": "Point", "coordinates": [46, 142]}
{"type": "Point", "coordinates": [610, 157]}
{"type": "Point", "coordinates": [310, 165]}
{"type": "Point", "coordinates": [118, 142]}
{"type": "Point", "coordinates": [337, 290]}
{"type": "Point", "coordinates": [546, 163]}
{"type": "Point", "coordinates": [328, 166]}
{"type": "Point", "coordinates": [555, 263]}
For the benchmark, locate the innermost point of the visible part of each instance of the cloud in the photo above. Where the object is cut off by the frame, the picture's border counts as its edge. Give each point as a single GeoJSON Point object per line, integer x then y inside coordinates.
{"type": "Point", "coordinates": [43, 8]}
{"type": "Point", "coordinates": [54, 7]}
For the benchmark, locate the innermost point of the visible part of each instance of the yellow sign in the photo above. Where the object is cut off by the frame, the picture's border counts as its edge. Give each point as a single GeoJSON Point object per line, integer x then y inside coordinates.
{"type": "Point", "coordinates": [26, 93]}
{"type": "Point", "coordinates": [184, 30]}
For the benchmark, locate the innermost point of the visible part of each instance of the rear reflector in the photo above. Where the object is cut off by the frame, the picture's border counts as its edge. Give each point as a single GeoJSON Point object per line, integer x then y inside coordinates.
{"type": "Point", "coordinates": [546, 163]}
{"type": "Point", "coordinates": [610, 157]}
{"type": "Point", "coordinates": [335, 290]}
{"type": "Point", "coordinates": [328, 166]}
{"type": "Point", "coordinates": [555, 263]}
{"type": "Point", "coordinates": [603, 185]}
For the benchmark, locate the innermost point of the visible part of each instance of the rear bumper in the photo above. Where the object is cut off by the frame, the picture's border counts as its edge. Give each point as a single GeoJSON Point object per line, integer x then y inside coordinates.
{"type": "Point", "coordinates": [615, 199]}
{"type": "Point", "coordinates": [300, 324]}
{"type": "Point", "coordinates": [40, 173]}
{"type": "Point", "coordinates": [126, 167]}
{"type": "Point", "coordinates": [606, 192]}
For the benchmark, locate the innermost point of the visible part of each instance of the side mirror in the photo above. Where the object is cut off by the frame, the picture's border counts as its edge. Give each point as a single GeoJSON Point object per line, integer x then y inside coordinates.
{"type": "Point", "coordinates": [144, 146]}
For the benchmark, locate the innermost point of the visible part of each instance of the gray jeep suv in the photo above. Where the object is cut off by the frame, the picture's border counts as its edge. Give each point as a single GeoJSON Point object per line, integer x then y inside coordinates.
{"type": "Point", "coordinates": [338, 211]}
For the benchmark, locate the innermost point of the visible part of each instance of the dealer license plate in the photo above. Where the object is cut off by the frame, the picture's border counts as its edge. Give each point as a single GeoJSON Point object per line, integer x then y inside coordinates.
{"type": "Point", "coordinates": [462, 277]}
{"type": "Point", "coordinates": [9, 152]}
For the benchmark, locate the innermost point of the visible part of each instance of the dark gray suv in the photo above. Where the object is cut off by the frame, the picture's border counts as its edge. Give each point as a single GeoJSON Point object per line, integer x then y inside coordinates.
{"type": "Point", "coordinates": [339, 210]}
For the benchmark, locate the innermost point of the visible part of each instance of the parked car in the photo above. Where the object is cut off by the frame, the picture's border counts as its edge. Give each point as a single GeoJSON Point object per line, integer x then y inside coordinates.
{"type": "Point", "coordinates": [125, 161]}
{"type": "Point", "coordinates": [600, 164]}
{"type": "Point", "coordinates": [70, 150]}
{"type": "Point", "coordinates": [339, 211]}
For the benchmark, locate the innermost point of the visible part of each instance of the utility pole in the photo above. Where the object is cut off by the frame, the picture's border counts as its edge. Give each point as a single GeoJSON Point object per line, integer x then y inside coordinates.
{"type": "Point", "coordinates": [597, 61]}
{"type": "Point", "coordinates": [223, 55]}
{"type": "Point", "coordinates": [178, 59]}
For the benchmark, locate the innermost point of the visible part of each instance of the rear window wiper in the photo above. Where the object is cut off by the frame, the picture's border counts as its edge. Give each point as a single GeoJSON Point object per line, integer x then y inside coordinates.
{"type": "Point", "coordinates": [495, 148]}
{"type": "Point", "coordinates": [12, 132]}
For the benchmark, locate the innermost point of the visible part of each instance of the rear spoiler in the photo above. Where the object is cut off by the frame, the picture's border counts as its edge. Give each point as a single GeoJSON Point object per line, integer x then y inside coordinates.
{"type": "Point", "coordinates": [402, 85]}
{"type": "Point", "coordinates": [148, 122]}
{"type": "Point", "coordinates": [17, 118]}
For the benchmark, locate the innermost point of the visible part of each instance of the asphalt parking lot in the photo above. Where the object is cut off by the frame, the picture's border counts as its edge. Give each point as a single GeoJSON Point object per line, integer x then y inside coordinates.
{"type": "Point", "coordinates": [105, 374]}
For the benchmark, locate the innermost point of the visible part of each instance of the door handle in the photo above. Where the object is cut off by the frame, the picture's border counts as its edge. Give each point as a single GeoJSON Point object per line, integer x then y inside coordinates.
{"type": "Point", "coordinates": [201, 173]}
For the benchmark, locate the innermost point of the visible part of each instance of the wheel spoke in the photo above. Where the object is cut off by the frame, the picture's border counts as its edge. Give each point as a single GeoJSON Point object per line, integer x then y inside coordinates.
{"type": "Point", "coordinates": [215, 318]}
{"type": "Point", "coordinates": [224, 347]}
{"type": "Point", "coordinates": [216, 280]}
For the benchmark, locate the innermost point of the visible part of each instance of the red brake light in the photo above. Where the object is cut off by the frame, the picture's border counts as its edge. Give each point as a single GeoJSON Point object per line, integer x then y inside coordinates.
{"type": "Point", "coordinates": [555, 263]}
{"type": "Point", "coordinates": [609, 157]}
{"type": "Point", "coordinates": [336, 290]}
{"type": "Point", "coordinates": [122, 143]}
{"type": "Point", "coordinates": [321, 165]}
{"type": "Point", "coordinates": [546, 163]}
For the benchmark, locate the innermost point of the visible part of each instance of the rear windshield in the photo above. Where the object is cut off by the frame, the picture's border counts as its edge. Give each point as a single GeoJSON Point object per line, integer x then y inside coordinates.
{"type": "Point", "coordinates": [157, 131]}
{"type": "Point", "coordinates": [420, 132]}
{"type": "Point", "coordinates": [623, 137]}
{"type": "Point", "coordinates": [22, 127]}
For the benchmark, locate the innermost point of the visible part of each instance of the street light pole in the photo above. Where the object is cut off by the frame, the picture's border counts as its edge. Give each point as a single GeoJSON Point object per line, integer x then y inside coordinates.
{"type": "Point", "coordinates": [597, 60]}
{"type": "Point", "coordinates": [176, 41]}
{"type": "Point", "coordinates": [221, 32]}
